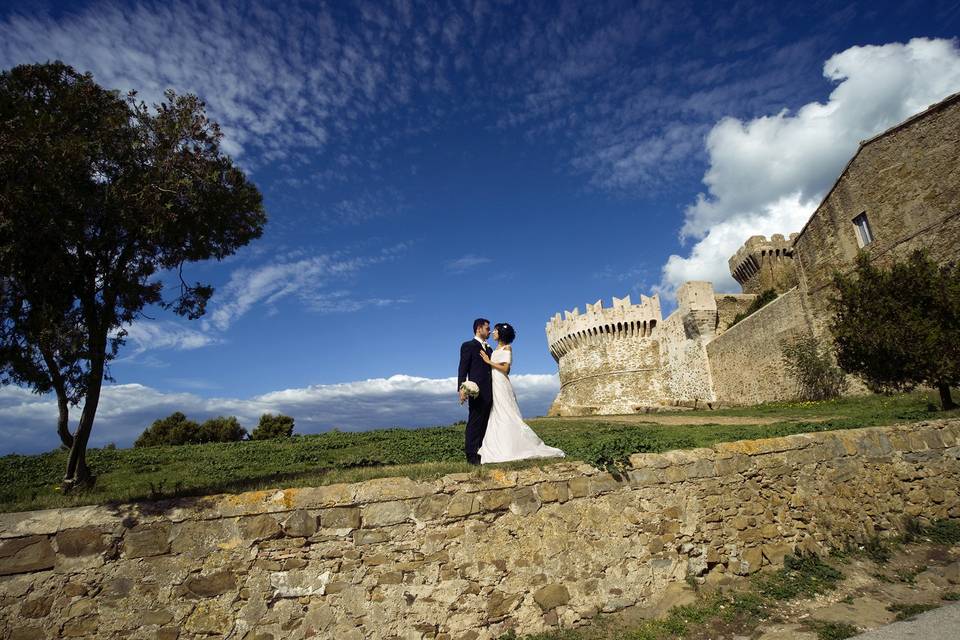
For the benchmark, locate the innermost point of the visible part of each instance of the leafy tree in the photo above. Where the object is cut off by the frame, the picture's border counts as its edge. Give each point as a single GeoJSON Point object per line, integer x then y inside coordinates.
{"type": "Point", "coordinates": [899, 327]}
{"type": "Point", "coordinates": [221, 429]}
{"type": "Point", "coordinates": [273, 426]}
{"type": "Point", "coordinates": [100, 198]}
{"type": "Point", "coordinates": [177, 429]}
{"type": "Point", "coordinates": [174, 429]}
{"type": "Point", "coordinates": [812, 366]}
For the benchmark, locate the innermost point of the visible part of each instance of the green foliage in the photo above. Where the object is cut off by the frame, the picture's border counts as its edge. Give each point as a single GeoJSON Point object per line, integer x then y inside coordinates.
{"type": "Point", "coordinates": [802, 575]}
{"type": "Point", "coordinates": [762, 300]}
{"type": "Point", "coordinates": [910, 611]}
{"type": "Point", "coordinates": [221, 429]}
{"type": "Point", "coordinates": [951, 596]}
{"type": "Point", "coordinates": [877, 550]}
{"type": "Point", "coordinates": [828, 630]}
{"type": "Point", "coordinates": [943, 532]}
{"type": "Point", "coordinates": [899, 327]}
{"type": "Point", "coordinates": [273, 426]}
{"type": "Point", "coordinates": [100, 194]}
{"type": "Point", "coordinates": [812, 366]}
{"type": "Point", "coordinates": [177, 429]}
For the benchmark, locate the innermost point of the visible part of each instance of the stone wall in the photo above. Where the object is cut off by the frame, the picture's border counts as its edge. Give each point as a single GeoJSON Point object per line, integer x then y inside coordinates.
{"type": "Point", "coordinates": [463, 557]}
{"type": "Point", "coordinates": [907, 182]}
{"type": "Point", "coordinates": [746, 364]}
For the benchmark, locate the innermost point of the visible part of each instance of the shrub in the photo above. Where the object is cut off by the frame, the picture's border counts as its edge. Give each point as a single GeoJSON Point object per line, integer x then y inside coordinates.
{"type": "Point", "coordinates": [812, 366]}
{"type": "Point", "coordinates": [759, 302]}
{"type": "Point", "coordinates": [221, 429]}
{"type": "Point", "coordinates": [273, 426]}
{"type": "Point", "coordinates": [174, 429]}
{"type": "Point", "coordinates": [178, 429]}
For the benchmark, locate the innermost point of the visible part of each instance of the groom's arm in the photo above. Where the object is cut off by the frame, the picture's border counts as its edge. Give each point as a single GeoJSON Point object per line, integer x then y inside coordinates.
{"type": "Point", "coordinates": [465, 355]}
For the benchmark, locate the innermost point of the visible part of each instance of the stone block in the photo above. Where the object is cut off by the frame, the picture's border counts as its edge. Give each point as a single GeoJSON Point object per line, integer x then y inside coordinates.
{"type": "Point", "coordinates": [431, 507]}
{"type": "Point", "coordinates": [84, 541]}
{"type": "Point", "coordinates": [462, 505]}
{"type": "Point", "coordinates": [27, 633]}
{"type": "Point", "coordinates": [369, 536]}
{"type": "Point", "coordinates": [525, 501]}
{"type": "Point", "coordinates": [300, 524]}
{"type": "Point", "coordinates": [340, 518]}
{"type": "Point", "coordinates": [495, 500]}
{"type": "Point", "coordinates": [775, 552]}
{"type": "Point", "coordinates": [255, 528]}
{"type": "Point", "coordinates": [382, 514]}
{"type": "Point", "coordinates": [384, 489]}
{"type": "Point", "coordinates": [579, 487]}
{"type": "Point", "coordinates": [210, 585]}
{"type": "Point", "coordinates": [36, 607]}
{"type": "Point", "coordinates": [25, 555]}
{"type": "Point", "coordinates": [750, 561]}
{"type": "Point", "coordinates": [551, 596]}
{"type": "Point", "coordinates": [81, 627]}
{"type": "Point", "coordinates": [553, 492]}
{"type": "Point", "coordinates": [210, 617]}
{"type": "Point", "coordinates": [144, 541]}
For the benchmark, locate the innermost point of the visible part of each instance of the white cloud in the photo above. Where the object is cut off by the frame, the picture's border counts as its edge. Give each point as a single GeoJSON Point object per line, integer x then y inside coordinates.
{"type": "Point", "coordinates": [28, 421]}
{"type": "Point", "coordinates": [147, 334]}
{"type": "Point", "coordinates": [306, 279]}
{"type": "Point", "coordinates": [767, 175]}
{"type": "Point", "coordinates": [466, 263]}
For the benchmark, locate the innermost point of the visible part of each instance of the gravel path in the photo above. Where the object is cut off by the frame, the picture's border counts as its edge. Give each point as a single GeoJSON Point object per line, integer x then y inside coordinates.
{"type": "Point", "coordinates": [938, 624]}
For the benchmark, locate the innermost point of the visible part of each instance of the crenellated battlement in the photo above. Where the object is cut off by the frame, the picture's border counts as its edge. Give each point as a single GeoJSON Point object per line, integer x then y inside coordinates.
{"type": "Point", "coordinates": [763, 263]}
{"type": "Point", "coordinates": [623, 319]}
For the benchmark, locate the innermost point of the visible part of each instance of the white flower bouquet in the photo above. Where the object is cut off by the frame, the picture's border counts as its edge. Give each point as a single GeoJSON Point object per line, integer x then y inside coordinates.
{"type": "Point", "coordinates": [470, 389]}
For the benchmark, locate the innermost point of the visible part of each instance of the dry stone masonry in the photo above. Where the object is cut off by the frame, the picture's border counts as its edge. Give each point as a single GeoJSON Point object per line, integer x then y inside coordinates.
{"type": "Point", "coordinates": [464, 557]}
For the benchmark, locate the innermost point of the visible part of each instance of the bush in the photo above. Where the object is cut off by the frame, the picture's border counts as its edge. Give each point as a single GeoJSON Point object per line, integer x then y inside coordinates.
{"type": "Point", "coordinates": [812, 366]}
{"type": "Point", "coordinates": [178, 429]}
{"type": "Point", "coordinates": [221, 429]}
{"type": "Point", "coordinates": [758, 303]}
{"type": "Point", "coordinates": [273, 426]}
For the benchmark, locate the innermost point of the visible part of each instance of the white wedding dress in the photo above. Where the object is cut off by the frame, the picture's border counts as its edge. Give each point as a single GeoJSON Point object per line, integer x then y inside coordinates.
{"type": "Point", "coordinates": [508, 437]}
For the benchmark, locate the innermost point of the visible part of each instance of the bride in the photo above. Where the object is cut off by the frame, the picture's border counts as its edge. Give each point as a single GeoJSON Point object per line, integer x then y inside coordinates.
{"type": "Point", "coordinates": [508, 437]}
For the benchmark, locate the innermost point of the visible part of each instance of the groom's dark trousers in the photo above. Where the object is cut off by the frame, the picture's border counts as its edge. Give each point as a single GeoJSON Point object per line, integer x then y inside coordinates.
{"type": "Point", "coordinates": [473, 367]}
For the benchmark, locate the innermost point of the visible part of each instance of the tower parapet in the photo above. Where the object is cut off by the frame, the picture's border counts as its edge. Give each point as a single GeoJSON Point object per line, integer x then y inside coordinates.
{"type": "Point", "coordinates": [762, 264]}
{"type": "Point", "coordinates": [623, 319]}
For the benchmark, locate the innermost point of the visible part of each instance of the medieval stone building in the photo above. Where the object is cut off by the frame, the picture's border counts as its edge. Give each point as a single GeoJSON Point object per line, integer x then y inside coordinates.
{"type": "Point", "coordinates": [899, 192]}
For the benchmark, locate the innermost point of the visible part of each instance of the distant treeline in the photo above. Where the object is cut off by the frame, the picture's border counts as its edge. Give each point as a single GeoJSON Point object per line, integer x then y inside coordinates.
{"type": "Point", "coordinates": [178, 429]}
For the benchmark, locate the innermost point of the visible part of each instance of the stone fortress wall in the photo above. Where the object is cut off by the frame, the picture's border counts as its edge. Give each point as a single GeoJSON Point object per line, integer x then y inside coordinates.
{"type": "Point", "coordinates": [904, 182]}
{"type": "Point", "coordinates": [463, 557]}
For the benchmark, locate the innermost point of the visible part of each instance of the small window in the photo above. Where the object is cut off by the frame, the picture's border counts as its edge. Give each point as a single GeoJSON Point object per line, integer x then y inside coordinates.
{"type": "Point", "coordinates": [862, 225]}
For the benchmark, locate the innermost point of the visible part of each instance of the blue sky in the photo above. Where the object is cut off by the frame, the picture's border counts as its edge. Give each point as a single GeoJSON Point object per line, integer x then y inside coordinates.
{"type": "Point", "coordinates": [426, 163]}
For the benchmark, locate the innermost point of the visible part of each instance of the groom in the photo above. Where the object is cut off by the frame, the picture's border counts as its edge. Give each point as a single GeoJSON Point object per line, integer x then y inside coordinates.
{"type": "Point", "coordinates": [473, 367]}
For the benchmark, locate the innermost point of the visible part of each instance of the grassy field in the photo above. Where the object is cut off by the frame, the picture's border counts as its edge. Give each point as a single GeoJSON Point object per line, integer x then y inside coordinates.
{"type": "Point", "coordinates": [32, 482]}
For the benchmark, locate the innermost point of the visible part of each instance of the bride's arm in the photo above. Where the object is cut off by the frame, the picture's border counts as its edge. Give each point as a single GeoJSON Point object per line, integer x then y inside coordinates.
{"type": "Point", "coordinates": [502, 367]}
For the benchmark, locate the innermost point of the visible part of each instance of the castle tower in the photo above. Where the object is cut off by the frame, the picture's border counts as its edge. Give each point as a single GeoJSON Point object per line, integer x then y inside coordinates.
{"type": "Point", "coordinates": [762, 264]}
{"type": "Point", "coordinates": [609, 358]}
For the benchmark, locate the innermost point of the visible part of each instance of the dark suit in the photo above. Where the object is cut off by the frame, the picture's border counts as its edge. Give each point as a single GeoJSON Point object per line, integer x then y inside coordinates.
{"type": "Point", "coordinates": [473, 367]}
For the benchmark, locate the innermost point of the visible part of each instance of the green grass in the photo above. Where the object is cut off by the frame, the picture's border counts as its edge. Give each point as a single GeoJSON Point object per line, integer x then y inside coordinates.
{"type": "Point", "coordinates": [32, 482]}
{"type": "Point", "coordinates": [827, 630]}
{"type": "Point", "coordinates": [910, 611]}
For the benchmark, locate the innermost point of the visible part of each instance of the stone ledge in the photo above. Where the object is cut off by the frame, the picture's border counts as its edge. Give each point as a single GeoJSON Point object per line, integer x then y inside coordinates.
{"type": "Point", "coordinates": [494, 492]}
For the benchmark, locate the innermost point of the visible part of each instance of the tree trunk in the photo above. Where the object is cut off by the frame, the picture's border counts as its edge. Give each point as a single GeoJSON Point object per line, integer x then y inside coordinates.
{"type": "Point", "coordinates": [946, 401]}
{"type": "Point", "coordinates": [78, 473]}
{"type": "Point", "coordinates": [63, 422]}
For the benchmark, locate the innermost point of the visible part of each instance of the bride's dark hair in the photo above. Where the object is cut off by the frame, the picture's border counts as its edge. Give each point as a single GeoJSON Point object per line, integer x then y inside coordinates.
{"type": "Point", "coordinates": [505, 333]}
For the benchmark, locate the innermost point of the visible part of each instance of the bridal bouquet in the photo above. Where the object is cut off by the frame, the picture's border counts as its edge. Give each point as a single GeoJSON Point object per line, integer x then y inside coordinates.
{"type": "Point", "coordinates": [470, 389]}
